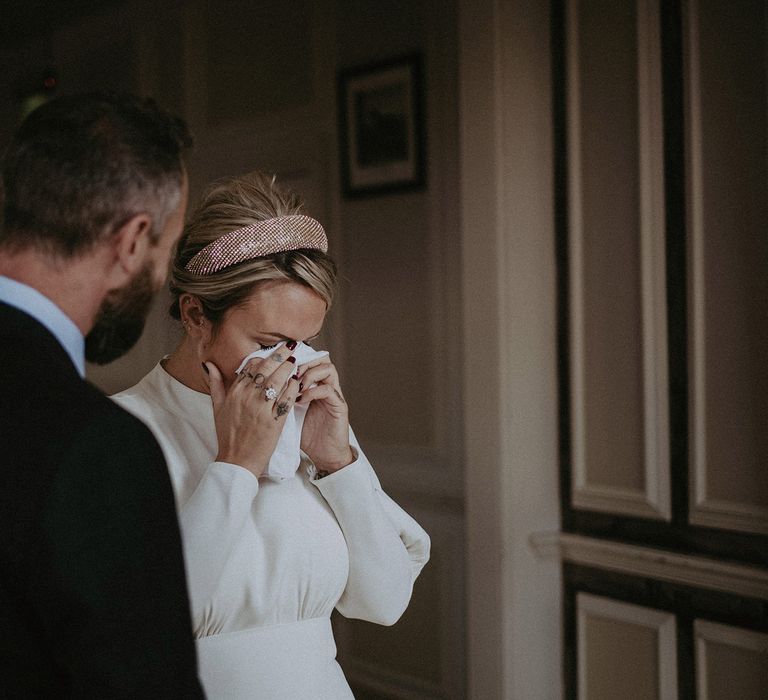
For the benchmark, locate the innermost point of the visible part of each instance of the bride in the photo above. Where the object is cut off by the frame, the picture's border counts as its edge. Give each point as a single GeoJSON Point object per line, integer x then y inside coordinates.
{"type": "Point", "coordinates": [282, 516]}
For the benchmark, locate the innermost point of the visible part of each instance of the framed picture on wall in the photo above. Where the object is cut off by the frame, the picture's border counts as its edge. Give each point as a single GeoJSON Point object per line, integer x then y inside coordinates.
{"type": "Point", "coordinates": [381, 124]}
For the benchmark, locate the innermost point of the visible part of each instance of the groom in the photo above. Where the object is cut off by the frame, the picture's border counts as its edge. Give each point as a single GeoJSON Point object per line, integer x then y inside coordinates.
{"type": "Point", "coordinates": [93, 600]}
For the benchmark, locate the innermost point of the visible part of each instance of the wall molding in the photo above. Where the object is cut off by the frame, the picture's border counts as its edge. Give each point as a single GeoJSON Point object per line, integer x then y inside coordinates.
{"type": "Point", "coordinates": [728, 515]}
{"type": "Point", "coordinates": [706, 632]}
{"type": "Point", "coordinates": [703, 508]}
{"type": "Point", "coordinates": [699, 572]}
{"type": "Point", "coordinates": [663, 623]}
{"type": "Point", "coordinates": [653, 500]}
{"type": "Point", "coordinates": [509, 376]}
{"type": "Point", "coordinates": [653, 259]}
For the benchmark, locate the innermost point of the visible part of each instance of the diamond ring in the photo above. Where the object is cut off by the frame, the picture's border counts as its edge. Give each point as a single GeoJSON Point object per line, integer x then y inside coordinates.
{"type": "Point", "coordinates": [270, 393]}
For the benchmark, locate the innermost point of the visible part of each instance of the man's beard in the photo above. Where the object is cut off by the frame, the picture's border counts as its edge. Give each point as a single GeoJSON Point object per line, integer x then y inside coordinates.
{"type": "Point", "coordinates": [120, 320]}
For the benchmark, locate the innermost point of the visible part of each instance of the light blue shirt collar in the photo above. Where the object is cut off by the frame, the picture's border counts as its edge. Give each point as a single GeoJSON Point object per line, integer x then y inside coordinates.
{"type": "Point", "coordinates": [41, 308]}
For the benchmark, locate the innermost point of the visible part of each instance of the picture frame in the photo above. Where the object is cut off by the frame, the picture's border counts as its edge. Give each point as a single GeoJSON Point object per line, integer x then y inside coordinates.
{"type": "Point", "coordinates": [381, 127]}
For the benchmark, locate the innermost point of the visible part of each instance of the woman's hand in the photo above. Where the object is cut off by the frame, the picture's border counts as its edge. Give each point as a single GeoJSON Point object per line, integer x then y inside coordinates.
{"type": "Point", "coordinates": [325, 435]}
{"type": "Point", "coordinates": [249, 417]}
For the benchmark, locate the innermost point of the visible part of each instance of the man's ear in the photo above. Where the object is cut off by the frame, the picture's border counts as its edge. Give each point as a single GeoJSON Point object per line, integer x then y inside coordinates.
{"type": "Point", "coordinates": [129, 247]}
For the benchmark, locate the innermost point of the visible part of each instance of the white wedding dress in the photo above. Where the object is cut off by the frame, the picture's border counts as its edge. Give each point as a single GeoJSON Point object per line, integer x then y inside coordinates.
{"type": "Point", "coordinates": [268, 560]}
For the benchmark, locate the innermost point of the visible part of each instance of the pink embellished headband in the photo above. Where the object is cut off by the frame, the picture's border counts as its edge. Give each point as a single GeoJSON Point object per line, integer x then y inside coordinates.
{"type": "Point", "coordinates": [277, 235]}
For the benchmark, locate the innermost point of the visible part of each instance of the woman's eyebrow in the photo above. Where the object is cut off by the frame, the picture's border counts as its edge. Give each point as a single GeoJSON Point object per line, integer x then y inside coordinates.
{"type": "Point", "coordinates": [285, 337]}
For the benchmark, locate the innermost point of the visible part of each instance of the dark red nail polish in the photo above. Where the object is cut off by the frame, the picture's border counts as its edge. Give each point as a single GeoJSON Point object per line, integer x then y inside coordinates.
{"type": "Point", "coordinates": [292, 359]}
{"type": "Point", "coordinates": [205, 368]}
{"type": "Point", "coordinates": [291, 344]}
{"type": "Point", "coordinates": [296, 377]}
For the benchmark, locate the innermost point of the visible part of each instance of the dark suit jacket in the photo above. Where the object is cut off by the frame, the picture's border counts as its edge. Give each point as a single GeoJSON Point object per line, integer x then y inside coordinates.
{"type": "Point", "coordinates": [93, 599]}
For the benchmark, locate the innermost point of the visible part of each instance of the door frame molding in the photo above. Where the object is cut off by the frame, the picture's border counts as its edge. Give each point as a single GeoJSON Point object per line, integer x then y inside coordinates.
{"type": "Point", "coordinates": [509, 358]}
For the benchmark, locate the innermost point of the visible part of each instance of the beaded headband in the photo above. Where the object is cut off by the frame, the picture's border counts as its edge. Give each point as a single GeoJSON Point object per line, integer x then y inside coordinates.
{"type": "Point", "coordinates": [277, 235]}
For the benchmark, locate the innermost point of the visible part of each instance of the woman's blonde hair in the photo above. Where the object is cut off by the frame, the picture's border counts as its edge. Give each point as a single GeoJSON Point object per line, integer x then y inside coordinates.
{"type": "Point", "coordinates": [231, 204]}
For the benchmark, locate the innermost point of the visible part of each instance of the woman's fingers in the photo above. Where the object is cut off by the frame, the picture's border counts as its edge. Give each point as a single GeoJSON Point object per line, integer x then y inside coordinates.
{"type": "Point", "coordinates": [250, 374]}
{"type": "Point", "coordinates": [284, 403]}
{"type": "Point", "coordinates": [325, 360]}
{"type": "Point", "coordinates": [323, 392]}
{"type": "Point", "coordinates": [250, 413]}
{"type": "Point", "coordinates": [321, 373]}
{"type": "Point", "coordinates": [278, 380]}
{"type": "Point", "coordinates": [325, 433]}
{"type": "Point", "coordinates": [319, 380]}
{"type": "Point", "coordinates": [262, 381]}
{"type": "Point", "coordinates": [273, 371]}
{"type": "Point", "coordinates": [215, 383]}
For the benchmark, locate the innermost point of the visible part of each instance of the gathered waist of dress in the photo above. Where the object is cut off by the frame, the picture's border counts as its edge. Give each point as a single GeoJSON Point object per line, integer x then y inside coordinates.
{"type": "Point", "coordinates": [290, 661]}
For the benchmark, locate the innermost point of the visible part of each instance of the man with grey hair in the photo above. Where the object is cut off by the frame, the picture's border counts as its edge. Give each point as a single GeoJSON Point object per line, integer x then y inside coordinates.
{"type": "Point", "coordinates": [93, 599]}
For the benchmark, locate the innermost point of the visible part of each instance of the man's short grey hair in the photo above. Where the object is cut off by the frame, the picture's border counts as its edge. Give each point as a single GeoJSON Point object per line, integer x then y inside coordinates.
{"type": "Point", "coordinates": [81, 166]}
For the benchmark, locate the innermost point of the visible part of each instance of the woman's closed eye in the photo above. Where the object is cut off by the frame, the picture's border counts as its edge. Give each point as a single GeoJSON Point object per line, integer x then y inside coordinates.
{"type": "Point", "coordinates": [267, 347]}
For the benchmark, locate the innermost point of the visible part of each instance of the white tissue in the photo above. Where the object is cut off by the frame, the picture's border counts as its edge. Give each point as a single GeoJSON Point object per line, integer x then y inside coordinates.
{"type": "Point", "coordinates": [287, 455]}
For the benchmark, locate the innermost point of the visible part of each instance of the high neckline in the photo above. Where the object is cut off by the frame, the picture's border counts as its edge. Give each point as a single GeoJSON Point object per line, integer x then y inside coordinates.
{"type": "Point", "coordinates": [179, 398]}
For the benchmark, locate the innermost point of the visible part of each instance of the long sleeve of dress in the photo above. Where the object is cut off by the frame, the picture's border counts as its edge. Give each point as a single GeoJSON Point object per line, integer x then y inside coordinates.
{"type": "Point", "coordinates": [387, 548]}
{"type": "Point", "coordinates": [212, 521]}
